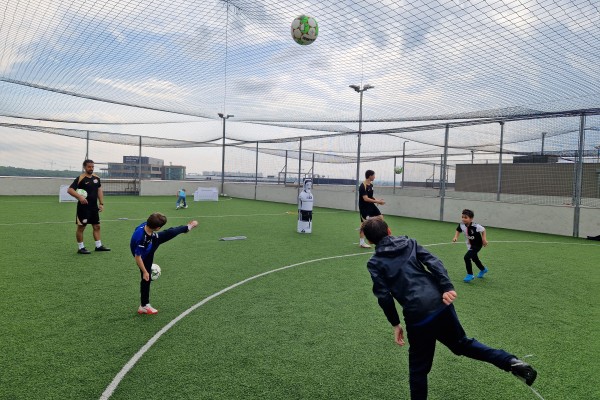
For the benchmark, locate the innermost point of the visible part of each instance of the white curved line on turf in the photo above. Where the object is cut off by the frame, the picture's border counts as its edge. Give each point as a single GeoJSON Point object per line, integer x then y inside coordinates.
{"type": "Point", "coordinates": [119, 377]}
{"type": "Point", "coordinates": [136, 357]}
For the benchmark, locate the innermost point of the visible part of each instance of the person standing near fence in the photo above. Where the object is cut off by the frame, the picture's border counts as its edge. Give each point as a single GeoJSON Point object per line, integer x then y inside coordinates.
{"type": "Point", "coordinates": [367, 204]}
{"type": "Point", "coordinates": [89, 205]}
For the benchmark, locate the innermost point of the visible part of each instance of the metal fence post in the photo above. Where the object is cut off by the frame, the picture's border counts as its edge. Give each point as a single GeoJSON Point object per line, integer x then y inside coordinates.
{"type": "Point", "coordinates": [500, 162]}
{"type": "Point", "coordinates": [443, 173]}
{"type": "Point", "coordinates": [579, 176]}
{"type": "Point", "coordinates": [256, 172]}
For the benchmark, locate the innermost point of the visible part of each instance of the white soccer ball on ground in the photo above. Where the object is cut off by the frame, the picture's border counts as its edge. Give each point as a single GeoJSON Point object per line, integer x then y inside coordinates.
{"type": "Point", "coordinates": [155, 274]}
{"type": "Point", "coordinates": [81, 192]}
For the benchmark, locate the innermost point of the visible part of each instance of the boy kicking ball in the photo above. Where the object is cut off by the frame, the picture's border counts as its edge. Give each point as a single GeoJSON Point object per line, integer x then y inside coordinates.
{"type": "Point", "coordinates": [404, 271]}
{"type": "Point", "coordinates": [144, 242]}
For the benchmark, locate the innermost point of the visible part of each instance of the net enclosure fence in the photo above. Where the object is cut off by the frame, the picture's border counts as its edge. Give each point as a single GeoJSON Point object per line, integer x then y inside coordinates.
{"type": "Point", "coordinates": [480, 99]}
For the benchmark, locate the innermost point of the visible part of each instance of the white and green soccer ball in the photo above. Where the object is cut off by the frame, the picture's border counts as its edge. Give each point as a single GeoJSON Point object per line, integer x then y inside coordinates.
{"type": "Point", "coordinates": [82, 193]}
{"type": "Point", "coordinates": [305, 29]}
{"type": "Point", "coordinates": [398, 170]}
{"type": "Point", "coordinates": [155, 272]}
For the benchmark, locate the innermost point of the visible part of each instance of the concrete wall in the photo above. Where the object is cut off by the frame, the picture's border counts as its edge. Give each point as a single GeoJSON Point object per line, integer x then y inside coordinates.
{"type": "Point", "coordinates": [27, 186]}
{"type": "Point", "coordinates": [527, 217]}
{"type": "Point", "coordinates": [533, 179]}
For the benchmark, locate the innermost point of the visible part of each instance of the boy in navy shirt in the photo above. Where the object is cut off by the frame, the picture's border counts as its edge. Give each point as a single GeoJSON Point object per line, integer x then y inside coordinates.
{"type": "Point", "coordinates": [475, 238]}
{"type": "Point", "coordinates": [144, 242]}
{"type": "Point", "coordinates": [402, 270]}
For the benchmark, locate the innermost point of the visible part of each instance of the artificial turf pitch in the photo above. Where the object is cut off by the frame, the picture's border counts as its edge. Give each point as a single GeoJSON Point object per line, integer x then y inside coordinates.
{"type": "Point", "coordinates": [313, 331]}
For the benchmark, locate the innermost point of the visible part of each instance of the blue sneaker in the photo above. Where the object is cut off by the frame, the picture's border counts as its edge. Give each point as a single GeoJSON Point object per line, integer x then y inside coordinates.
{"type": "Point", "coordinates": [468, 278]}
{"type": "Point", "coordinates": [482, 273]}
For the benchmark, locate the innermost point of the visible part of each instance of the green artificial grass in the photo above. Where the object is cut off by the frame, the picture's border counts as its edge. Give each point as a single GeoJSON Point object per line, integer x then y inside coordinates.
{"type": "Point", "coordinates": [314, 331]}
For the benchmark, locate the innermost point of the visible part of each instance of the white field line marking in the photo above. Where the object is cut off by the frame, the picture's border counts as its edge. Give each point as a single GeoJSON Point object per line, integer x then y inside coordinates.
{"type": "Point", "coordinates": [136, 357]}
{"type": "Point", "coordinates": [143, 218]}
{"type": "Point", "coordinates": [535, 392]}
{"type": "Point", "coordinates": [119, 377]}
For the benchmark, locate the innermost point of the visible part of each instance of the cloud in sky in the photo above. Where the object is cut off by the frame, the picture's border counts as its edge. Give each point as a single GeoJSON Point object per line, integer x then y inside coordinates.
{"type": "Point", "coordinates": [424, 58]}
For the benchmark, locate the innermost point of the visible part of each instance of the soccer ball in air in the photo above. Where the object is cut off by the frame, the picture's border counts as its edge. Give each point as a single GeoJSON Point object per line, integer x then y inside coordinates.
{"type": "Point", "coordinates": [81, 192]}
{"type": "Point", "coordinates": [305, 29]}
{"type": "Point", "coordinates": [398, 170]}
{"type": "Point", "coordinates": [155, 272]}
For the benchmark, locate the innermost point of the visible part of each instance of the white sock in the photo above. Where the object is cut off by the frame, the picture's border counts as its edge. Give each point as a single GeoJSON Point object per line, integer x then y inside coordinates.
{"type": "Point", "coordinates": [98, 243]}
{"type": "Point", "coordinates": [80, 245]}
{"type": "Point", "coordinates": [362, 240]}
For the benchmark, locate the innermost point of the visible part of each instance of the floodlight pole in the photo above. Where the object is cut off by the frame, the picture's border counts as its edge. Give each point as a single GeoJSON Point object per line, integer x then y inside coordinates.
{"type": "Point", "coordinates": [224, 118]}
{"type": "Point", "coordinates": [359, 89]}
{"type": "Point", "coordinates": [403, 158]}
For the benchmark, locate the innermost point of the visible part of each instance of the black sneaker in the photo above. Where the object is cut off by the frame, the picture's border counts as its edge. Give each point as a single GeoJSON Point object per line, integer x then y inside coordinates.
{"type": "Point", "coordinates": [83, 250]}
{"type": "Point", "coordinates": [102, 248]}
{"type": "Point", "coordinates": [523, 371]}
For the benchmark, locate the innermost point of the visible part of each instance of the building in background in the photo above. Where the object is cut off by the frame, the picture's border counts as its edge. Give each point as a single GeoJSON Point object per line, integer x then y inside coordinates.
{"type": "Point", "coordinates": [152, 168]}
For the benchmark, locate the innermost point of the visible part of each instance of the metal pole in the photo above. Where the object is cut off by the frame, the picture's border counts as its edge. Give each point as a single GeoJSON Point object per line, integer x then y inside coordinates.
{"type": "Point", "coordinates": [358, 153]}
{"type": "Point", "coordinates": [579, 176]}
{"type": "Point", "coordinates": [223, 159]}
{"type": "Point", "coordinates": [256, 172]}
{"type": "Point", "coordinates": [395, 174]}
{"type": "Point", "coordinates": [87, 145]}
{"type": "Point", "coordinates": [312, 169]}
{"type": "Point", "coordinates": [403, 158]}
{"type": "Point", "coordinates": [299, 166]}
{"type": "Point", "coordinates": [472, 156]}
{"type": "Point", "coordinates": [543, 140]}
{"type": "Point", "coordinates": [443, 173]}
{"type": "Point", "coordinates": [285, 169]}
{"type": "Point", "coordinates": [140, 163]}
{"type": "Point", "coordinates": [500, 162]}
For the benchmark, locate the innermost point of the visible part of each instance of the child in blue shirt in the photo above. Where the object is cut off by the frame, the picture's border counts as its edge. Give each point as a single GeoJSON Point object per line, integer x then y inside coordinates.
{"type": "Point", "coordinates": [180, 199]}
{"type": "Point", "coordinates": [144, 242]}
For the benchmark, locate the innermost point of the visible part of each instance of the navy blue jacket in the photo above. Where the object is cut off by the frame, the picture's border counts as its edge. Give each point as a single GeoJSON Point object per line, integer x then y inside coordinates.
{"type": "Point", "coordinates": [403, 270]}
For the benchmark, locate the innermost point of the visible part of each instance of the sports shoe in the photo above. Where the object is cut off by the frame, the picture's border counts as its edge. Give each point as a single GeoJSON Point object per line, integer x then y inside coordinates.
{"type": "Point", "coordinates": [468, 278]}
{"type": "Point", "coordinates": [483, 272]}
{"type": "Point", "coordinates": [177, 208]}
{"type": "Point", "coordinates": [147, 309]}
{"type": "Point", "coordinates": [184, 206]}
{"type": "Point", "coordinates": [523, 371]}
{"type": "Point", "coordinates": [102, 248]}
{"type": "Point", "coordinates": [83, 250]}
{"type": "Point", "coordinates": [365, 245]}
{"type": "Point", "coordinates": [191, 225]}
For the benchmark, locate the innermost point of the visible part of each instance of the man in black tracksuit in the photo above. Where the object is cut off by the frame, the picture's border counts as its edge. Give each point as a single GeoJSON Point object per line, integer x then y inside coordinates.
{"type": "Point", "coordinates": [403, 270]}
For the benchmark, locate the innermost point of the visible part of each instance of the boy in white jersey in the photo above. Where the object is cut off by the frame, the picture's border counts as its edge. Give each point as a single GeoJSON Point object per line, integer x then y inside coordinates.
{"type": "Point", "coordinates": [475, 238]}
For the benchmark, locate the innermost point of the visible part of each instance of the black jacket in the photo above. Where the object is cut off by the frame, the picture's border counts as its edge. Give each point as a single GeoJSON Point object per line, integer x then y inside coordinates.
{"type": "Point", "coordinates": [405, 271]}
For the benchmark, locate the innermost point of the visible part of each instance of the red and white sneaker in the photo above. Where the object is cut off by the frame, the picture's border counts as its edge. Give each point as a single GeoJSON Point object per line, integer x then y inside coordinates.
{"type": "Point", "coordinates": [148, 309]}
{"type": "Point", "coordinates": [191, 225]}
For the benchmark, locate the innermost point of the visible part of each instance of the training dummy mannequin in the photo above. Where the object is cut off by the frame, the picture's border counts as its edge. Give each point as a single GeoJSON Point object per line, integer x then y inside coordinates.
{"type": "Point", "coordinates": [305, 206]}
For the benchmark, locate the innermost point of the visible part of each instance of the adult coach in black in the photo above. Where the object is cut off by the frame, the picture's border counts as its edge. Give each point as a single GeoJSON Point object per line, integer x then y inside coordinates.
{"type": "Point", "coordinates": [88, 208]}
{"type": "Point", "coordinates": [367, 203]}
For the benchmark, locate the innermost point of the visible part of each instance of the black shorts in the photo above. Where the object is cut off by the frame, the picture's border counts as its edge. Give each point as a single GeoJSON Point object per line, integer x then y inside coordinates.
{"type": "Point", "coordinates": [87, 215]}
{"type": "Point", "coordinates": [369, 212]}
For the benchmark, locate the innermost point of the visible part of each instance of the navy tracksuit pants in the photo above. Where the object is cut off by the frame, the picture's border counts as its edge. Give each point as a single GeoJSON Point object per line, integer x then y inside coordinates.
{"type": "Point", "coordinates": [162, 237]}
{"type": "Point", "coordinates": [445, 328]}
